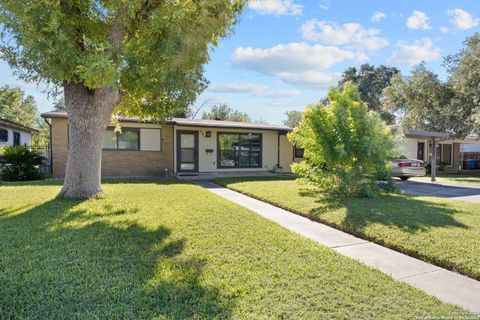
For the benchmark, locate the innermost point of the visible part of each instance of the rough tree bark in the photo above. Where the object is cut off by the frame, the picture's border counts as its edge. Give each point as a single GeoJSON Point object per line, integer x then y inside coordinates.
{"type": "Point", "coordinates": [89, 112]}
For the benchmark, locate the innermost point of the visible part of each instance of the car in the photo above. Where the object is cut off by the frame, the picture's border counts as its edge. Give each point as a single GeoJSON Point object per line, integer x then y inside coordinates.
{"type": "Point", "coordinates": [404, 168]}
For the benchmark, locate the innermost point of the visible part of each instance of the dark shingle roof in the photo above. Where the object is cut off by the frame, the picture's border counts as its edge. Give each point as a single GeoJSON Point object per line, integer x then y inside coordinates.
{"type": "Point", "coordinates": [193, 122]}
{"type": "Point", "coordinates": [17, 126]}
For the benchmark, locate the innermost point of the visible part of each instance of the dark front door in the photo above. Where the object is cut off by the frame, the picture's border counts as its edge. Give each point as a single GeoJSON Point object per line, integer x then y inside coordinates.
{"type": "Point", "coordinates": [421, 151]}
{"type": "Point", "coordinates": [187, 151]}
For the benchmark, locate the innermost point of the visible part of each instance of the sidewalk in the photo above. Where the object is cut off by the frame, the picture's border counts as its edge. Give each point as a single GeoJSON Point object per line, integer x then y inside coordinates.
{"type": "Point", "coordinates": [446, 285]}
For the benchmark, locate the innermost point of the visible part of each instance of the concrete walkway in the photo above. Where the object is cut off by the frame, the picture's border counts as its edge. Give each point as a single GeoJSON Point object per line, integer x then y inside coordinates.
{"type": "Point", "coordinates": [448, 286]}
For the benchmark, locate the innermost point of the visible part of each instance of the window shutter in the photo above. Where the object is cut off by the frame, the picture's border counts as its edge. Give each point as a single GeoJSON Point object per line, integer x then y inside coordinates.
{"type": "Point", "coordinates": [150, 140]}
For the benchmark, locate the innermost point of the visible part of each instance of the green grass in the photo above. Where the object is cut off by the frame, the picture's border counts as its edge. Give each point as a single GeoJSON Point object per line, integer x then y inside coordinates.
{"type": "Point", "coordinates": [171, 250]}
{"type": "Point", "coordinates": [443, 232]}
{"type": "Point", "coordinates": [465, 179]}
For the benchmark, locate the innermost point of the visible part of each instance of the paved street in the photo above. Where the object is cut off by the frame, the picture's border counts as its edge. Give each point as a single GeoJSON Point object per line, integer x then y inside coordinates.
{"type": "Point", "coordinates": [469, 194]}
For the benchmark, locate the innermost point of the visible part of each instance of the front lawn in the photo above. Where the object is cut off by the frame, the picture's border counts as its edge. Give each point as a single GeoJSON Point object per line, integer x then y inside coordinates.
{"type": "Point", "coordinates": [172, 250]}
{"type": "Point", "coordinates": [464, 179]}
{"type": "Point", "coordinates": [444, 232]}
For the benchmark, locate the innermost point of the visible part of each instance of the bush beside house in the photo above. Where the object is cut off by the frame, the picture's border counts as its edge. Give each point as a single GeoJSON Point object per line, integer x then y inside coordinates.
{"type": "Point", "coordinates": [19, 164]}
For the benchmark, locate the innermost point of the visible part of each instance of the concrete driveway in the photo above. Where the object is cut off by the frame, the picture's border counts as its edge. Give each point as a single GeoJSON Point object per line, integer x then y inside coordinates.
{"type": "Point", "coordinates": [469, 194]}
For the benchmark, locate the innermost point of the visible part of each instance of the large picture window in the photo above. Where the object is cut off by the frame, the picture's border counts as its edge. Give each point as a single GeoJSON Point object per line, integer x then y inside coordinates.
{"type": "Point", "coordinates": [3, 135]}
{"type": "Point", "coordinates": [128, 139]}
{"type": "Point", "coordinates": [239, 150]}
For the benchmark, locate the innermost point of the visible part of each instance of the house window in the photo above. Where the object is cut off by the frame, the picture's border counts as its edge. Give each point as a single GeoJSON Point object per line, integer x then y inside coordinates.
{"type": "Point", "coordinates": [239, 150]}
{"type": "Point", "coordinates": [3, 135]}
{"type": "Point", "coordinates": [299, 152]}
{"type": "Point", "coordinates": [16, 139]}
{"type": "Point", "coordinates": [128, 139]}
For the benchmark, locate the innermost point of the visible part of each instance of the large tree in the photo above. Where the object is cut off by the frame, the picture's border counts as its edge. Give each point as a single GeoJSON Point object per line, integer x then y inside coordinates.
{"type": "Point", "coordinates": [293, 118]}
{"type": "Point", "coordinates": [17, 107]}
{"type": "Point", "coordinates": [224, 112]}
{"type": "Point", "coordinates": [464, 71]}
{"type": "Point", "coordinates": [142, 58]}
{"type": "Point", "coordinates": [428, 103]}
{"type": "Point", "coordinates": [371, 81]}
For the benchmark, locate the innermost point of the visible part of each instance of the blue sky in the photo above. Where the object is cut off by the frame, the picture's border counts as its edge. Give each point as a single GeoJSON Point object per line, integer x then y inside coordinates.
{"type": "Point", "coordinates": [284, 54]}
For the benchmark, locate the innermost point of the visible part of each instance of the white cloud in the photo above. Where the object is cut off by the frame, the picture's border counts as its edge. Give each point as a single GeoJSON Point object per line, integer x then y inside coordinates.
{"type": "Point", "coordinates": [324, 4]}
{"type": "Point", "coordinates": [444, 30]}
{"type": "Point", "coordinates": [462, 19]}
{"type": "Point", "coordinates": [312, 79]}
{"type": "Point", "coordinates": [349, 34]}
{"type": "Point", "coordinates": [418, 20]}
{"type": "Point", "coordinates": [414, 53]}
{"type": "Point", "coordinates": [276, 7]}
{"type": "Point", "coordinates": [257, 90]}
{"type": "Point", "coordinates": [291, 57]}
{"type": "Point", "coordinates": [296, 63]}
{"type": "Point", "coordinates": [378, 16]}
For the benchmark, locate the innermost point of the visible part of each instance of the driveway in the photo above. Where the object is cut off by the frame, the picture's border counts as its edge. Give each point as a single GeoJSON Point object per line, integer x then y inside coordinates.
{"type": "Point", "coordinates": [469, 194]}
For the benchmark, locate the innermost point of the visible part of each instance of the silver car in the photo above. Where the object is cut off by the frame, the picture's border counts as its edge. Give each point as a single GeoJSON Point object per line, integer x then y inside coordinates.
{"type": "Point", "coordinates": [406, 168]}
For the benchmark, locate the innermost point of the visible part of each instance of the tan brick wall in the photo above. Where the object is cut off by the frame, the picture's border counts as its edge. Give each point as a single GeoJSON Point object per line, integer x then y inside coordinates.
{"type": "Point", "coordinates": [117, 163]}
{"type": "Point", "coordinates": [59, 146]}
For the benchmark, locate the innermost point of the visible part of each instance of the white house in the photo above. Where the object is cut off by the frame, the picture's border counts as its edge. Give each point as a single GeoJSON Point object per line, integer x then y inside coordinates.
{"type": "Point", "coordinates": [14, 134]}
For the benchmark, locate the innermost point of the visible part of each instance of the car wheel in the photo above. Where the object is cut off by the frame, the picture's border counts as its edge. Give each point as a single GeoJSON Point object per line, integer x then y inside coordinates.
{"type": "Point", "coordinates": [404, 178]}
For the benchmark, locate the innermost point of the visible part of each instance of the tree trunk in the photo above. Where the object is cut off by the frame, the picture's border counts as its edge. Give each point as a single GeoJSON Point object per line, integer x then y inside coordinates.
{"type": "Point", "coordinates": [89, 112]}
{"type": "Point", "coordinates": [433, 161]}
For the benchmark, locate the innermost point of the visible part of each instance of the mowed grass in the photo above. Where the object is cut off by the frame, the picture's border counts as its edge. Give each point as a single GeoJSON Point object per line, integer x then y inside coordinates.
{"type": "Point", "coordinates": [444, 232]}
{"type": "Point", "coordinates": [466, 179]}
{"type": "Point", "coordinates": [153, 249]}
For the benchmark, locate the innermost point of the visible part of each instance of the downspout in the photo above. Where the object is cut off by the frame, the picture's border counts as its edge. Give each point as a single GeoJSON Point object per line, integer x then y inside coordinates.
{"type": "Point", "coordinates": [50, 145]}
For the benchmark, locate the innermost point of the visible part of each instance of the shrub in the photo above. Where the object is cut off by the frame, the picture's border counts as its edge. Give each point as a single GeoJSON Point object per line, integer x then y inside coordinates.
{"type": "Point", "coordinates": [19, 164]}
{"type": "Point", "coordinates": [346, 146]}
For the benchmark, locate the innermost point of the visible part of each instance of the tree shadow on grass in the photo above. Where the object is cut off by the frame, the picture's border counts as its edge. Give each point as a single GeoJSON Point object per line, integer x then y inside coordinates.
{"type": "Point", "coordinates": [401, 211]}
{"type": "Point", "coordinates": [59, 262]}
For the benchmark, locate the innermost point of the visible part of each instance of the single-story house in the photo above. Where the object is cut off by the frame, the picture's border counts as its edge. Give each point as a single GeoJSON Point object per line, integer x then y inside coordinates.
{"type": "Point", "coordinates": [14, 134]}
{"type": "Point", "coordinates": [417, 144]}
{"type": "Point", "coordinates": [181, 147]}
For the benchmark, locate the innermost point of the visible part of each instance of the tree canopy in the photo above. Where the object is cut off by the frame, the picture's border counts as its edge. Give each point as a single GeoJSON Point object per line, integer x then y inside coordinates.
{"type": "Point", "coordinates": [345, 145]}
{"type": "Point", "coordinates": [293, 118]}
{"type": "Point", "coordinates": [464, 70]}
{"type": "Point", "coordinates": [428, 103]}
{"type": "Point", "coordinates": [153, 51]}
{"type": "Point", "coordinates": [224, 112]}
{"type": "Point", "coordinates": [371, 81]}
{"type": "Point", "coordinates": [18, 107]}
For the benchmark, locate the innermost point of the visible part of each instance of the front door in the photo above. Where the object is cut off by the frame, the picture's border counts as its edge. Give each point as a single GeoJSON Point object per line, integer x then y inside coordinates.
{"type": "Point", "coordinates": [187, 151]}
{"type": "Point", "coordinates": [420, 151]}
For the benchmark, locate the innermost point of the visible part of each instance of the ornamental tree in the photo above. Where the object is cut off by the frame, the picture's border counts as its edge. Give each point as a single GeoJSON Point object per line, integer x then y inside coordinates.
{"type": "Point", "coordinates": [140, 58]}
{"type": "Point", "coordinates": [346, 147]}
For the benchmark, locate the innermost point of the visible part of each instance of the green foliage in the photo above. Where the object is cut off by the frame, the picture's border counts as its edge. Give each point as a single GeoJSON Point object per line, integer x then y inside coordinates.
{"type": "Point", "coordinates": [153, 51]}
{"type": "Point", "coordinates": [224, 112]}
{"type": "Point", "coordinates": [464, 70]}
{"type": "Point", "coordinates": [427, 103]}
{"type": "Point", "coordinates": [19, 164]}
{"type": "Point", "coordinates": [346, 146]}
{"type": "Point", "coordinates": [17, 107]}
{"type": "Point", "coordinates": [293, 118]}
{"type": "Point", "coordinates": [371, 81]}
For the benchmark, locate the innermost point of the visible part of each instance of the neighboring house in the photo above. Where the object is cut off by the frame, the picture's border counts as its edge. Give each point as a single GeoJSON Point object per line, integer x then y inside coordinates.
{"type": "Point", "coordinates": [417, 144]}
{"type": "Point", "coordinates": [181, 146]}
{"type": "Point", "coordinates": [14, 134]}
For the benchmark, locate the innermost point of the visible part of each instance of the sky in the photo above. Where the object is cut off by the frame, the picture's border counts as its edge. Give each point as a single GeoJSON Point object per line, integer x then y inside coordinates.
{"type": "Point", "coordinates": [285, 54]}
